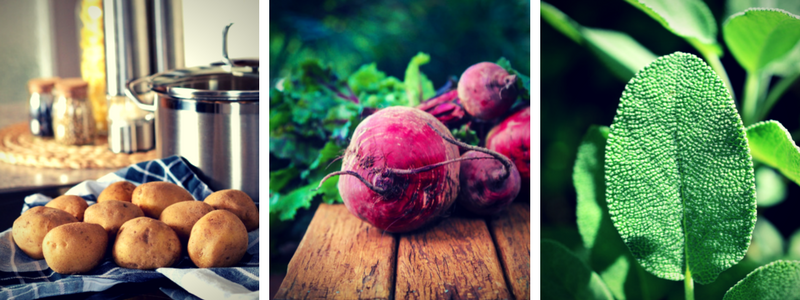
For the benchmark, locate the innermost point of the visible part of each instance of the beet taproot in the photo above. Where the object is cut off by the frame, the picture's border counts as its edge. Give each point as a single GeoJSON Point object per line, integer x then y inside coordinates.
{"type": "Point", "coordinates": [486, 90]}
{"type": "Point", "coordinates": [512, 138]}
{"type": "Point", "coordinates": [488, 186]}
{"type": "Point", "coordinates": [401, 174]}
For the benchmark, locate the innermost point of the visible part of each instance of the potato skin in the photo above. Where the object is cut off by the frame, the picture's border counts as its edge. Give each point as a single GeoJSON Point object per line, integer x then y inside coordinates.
{"type": "Point", "coordinates": [153, 197]}
{"type": "Point", "coordinates": [145, 243]}
{"type": "Point", "coordinates": [75, 247]}
{"type": "Point", "coordinates": [30, 228]}
{"type": "Point", "coordinates": [120, 190]}
{"type": "Point", "coordinates": [111, 214]}
{"type": "Point", "coordinates": [182, 216]}
{"type": "Point", "coordinates": [237, 202]}
{"type": "Point", "coordinates": [218, 239]}
{"type": "Point", "coordinates": [74, 205]}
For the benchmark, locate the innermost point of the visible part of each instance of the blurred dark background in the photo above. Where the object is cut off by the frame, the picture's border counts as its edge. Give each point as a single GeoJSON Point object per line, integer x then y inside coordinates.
{"type": "Point", "coordinates": [346, 34]}
{"type": "Point", "coordinates": [578, 90]}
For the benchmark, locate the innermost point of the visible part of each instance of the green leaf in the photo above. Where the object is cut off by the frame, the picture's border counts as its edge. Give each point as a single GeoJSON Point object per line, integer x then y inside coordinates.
{"type": "Point", "coordinates": [767, 243]}
{"type": "Point", "coordinates": [759, 36]}
{"type": "Point", "coordinates": [588, 176]}
{"type": "Point", "coordinates": [418, 87]}
{"type": "Point", "coordinates": [617, 50]}
{"type": "Point", "coordinates": [789, 65]}
{"type": "Point", "coordinates": [286, 206]}
{"type": "Point", "coordinates": [771, 144]}
{"type": "Point", "coordinates": [677, 163]}
{"type": "Point", "coordinates": [770, 189]}
{"type": "Point", "coordinates": [328, 152]}
{"type": "Point", "coordinates": [793, 251]}
{"type": "Point", "coordinates": [735, 6]}
{"type": "Point", "coordinates": [278, 179]}
{"type": "Point", "coordinates": [561, 22]}
{"type": "Point", "coordinates": [776, 281]}
{"type": "Point", "coordinates": [689, 19]}
{"type": "Point", "coordinates": [466, 135]}
{"type": "Point", "coordinates": [565, 276]}
{"type": "Point", "coordinates": [524, 82]}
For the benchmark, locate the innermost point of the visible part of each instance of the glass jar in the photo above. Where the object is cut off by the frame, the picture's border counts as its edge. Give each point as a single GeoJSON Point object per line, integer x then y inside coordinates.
{"type": "Point", "coordinates": [93, 60]}
{"type": "Point", "coordinates": [73, 119]}
{"type": "Point", "coordinates": [40, 104]}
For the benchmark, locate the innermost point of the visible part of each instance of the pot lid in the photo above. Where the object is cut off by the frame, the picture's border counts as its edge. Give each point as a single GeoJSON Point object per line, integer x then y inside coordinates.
{"type": "Point", "coordinates": [218, 83]}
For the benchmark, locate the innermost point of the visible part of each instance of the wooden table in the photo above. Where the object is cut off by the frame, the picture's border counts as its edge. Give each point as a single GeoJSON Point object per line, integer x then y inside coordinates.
{"type": "Point", "coordinates": [342, 257]}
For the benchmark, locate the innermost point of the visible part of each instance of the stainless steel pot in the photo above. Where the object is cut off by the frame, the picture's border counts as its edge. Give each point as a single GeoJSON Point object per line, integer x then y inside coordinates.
{"type": "Point", "coordinates": [208, 115]}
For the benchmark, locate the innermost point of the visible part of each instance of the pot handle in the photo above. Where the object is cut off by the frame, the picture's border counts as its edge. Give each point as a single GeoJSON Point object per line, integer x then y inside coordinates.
{"type": "Point", "coordinates": [130, 91]}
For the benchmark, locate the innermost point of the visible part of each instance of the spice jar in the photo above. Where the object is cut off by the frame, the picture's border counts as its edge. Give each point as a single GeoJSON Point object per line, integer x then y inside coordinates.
{"type": "Point", "coordinates": [73, 121]}
{"type": "Point", "coordinates": [40, 104]}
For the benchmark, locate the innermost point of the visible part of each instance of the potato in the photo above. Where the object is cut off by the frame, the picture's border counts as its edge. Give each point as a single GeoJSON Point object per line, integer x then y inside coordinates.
{"type": "Point", "coordinates": [111, 214]}
{"type": "Point", "coordinates": [182, 216]}
{"type": "Point", "coordinates": [74, 205]}
{"type": "Point", "coordinates": [153, 197]}
{"type": "Point", "coordinates": [75, 247]}
{"type": "Point", "coordinates": [218, 239]}
{"type": "Point", "coordinates": [30, 228]}
{"type": "Point", "coordinates": [237, 202]}
{"type": "Point", "coordinates": [120, 190]}
{"type": "Point", "coordinates": [145, 243]}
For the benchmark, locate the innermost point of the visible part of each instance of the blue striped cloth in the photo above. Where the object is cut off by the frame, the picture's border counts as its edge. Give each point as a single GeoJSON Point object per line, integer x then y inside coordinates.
{"type": "Point", "coordinates": [22, 277]}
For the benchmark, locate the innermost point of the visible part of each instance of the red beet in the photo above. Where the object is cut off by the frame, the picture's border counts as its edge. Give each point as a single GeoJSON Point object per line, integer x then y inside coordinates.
{"type": "Point", "coordinates": [402, 174]}
{"type": "Point", "coordinates": [487, 187]}
{"type": "Point", "coordinates": [512, 138]}
{"type": "Point", "coordinates": [486, 90]}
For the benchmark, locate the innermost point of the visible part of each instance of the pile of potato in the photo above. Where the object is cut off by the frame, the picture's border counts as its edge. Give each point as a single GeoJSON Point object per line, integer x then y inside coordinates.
{"type": "Point", "coordinates": [145, 227]}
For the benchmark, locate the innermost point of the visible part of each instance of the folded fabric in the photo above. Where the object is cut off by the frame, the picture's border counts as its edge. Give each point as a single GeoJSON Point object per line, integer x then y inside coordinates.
{"type": "Point", "coordinates": [22, 277]}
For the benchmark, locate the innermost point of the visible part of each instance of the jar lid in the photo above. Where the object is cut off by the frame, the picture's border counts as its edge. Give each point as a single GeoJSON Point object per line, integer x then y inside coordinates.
{"type": "Point", "coordinates": [74, 87]}
{"type": "Point", "coordinates": [42, 85]}
{"type": "Point", "coordinates": [213, 83]}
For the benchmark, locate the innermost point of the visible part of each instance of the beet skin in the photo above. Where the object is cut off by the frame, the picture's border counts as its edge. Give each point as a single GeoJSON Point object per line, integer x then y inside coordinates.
{"type": "Point", "coordinates": [483, 190]}
{"type": "Point", "coordinates": [399, 138]}
{"type": "Point", "coordinates": [486, 90]}
{"type": "Point", "coordinates": [512, 138]}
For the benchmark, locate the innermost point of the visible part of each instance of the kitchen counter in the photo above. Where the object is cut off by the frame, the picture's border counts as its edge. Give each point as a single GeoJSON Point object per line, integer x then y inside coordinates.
{"type": "Point", "coordinates": [15, 178]}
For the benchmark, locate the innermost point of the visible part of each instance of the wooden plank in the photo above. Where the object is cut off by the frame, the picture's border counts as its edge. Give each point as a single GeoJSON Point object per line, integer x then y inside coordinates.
{"type": "Point", "coordinates": [511, 230]}
{"type": "Point", "coordinates": [341, 257]}
{"type": "Point", "coordinates": [454, 260]}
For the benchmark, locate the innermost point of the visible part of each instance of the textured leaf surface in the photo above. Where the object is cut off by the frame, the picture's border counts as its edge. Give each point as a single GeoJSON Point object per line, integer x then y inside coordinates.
{"type": "Point", "coordinates": [776, 281]}
{"type": "Point", "coordinates": [770, 189]}
{"type": "Point", "coordinates": [771, 144]}
{"type": "Point", "coordinates": [736, 6]}
{"type": "Point", "coordinates": [679, 176]}
{"type": "Point", "coordinates": [759, 36]}
{"type": "Point", "coordinates": [565, 276]}
{"type": "Point", "coordinates": [617, 50]}
{"type": "Point", "coordinates": [689, 19]}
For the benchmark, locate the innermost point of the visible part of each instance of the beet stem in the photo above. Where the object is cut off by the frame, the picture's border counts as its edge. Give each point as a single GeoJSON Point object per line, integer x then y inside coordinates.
{"type": "Point", "coordinates": [352, 173]}
{"type": "Point", "coordinates": [506, 162]}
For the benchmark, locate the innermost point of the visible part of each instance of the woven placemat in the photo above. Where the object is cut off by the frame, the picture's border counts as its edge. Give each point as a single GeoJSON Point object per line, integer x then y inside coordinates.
{"type": "Point", "coordinates": [19, 147]}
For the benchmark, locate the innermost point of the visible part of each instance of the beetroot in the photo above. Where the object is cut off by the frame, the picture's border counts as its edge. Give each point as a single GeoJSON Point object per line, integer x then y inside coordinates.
{"type": "Point", "coordinates": [486, 90]}
{"type": "Point", "coordinates": [512, 138]}
{"type": "Point", "coordinates": [488, 185]}
{"type": "Point", "coordinates": [446, 108]}
{"type": "Point", "coordinates": [402, 174]}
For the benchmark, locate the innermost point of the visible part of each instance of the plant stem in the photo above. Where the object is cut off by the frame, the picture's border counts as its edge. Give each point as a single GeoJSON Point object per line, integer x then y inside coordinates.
{"type": "Point", "coordinates": [750, 101]}
{"type": "Point", "coordinates": [507, 163]}
{"type": "Point", "coordinates": [688, 285]}
{"type": "Point", "coordinates": [776, 93]}
{"type": "Point", "coordinates": [713, 60]}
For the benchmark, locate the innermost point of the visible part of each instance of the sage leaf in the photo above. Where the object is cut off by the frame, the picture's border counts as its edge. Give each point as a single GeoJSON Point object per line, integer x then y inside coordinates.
{"type": "Point", "coordinates": [588, 176]}
{"type": "Point", "coordinates": [767, 244]}
{"type": "Point", "coordinates": [679, 176]}
{"type": "Point", "coordinates": [735, 6]}
{"type": "Point", "coordinates": [771, 144]}
{"type": "Point", "coordinates": [770, 188]}
{"type": "Point", "coordinates": [689, 19]}
{"type": "Point", "coordinates": [776, 281]}
{"type": "Point", "coordinates": [793, 251]}
{"type": "Point", "coordinates": [623, 55]}
{"type": "Point", "coordinates": [565, 276]}
{"type": "Point", "coordinates": [759, 36]}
